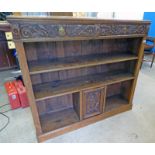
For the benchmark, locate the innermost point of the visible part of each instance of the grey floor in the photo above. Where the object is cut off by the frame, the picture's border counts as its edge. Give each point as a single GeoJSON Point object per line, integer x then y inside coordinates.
{"type": "Point", "coordinates": [136, 125]}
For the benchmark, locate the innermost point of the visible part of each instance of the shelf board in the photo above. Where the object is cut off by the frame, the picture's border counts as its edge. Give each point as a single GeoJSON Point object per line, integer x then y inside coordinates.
{"type": "Point", "coordinates": [62, 87]}
{"type": "Point", "coordinates": [43, 66]}
{"type": "Point", "coordinates": [115, 102]}
{"type": "Point", "coordinates": [47, 39]}
{"type": "Point", "coordinates": [59, 119]}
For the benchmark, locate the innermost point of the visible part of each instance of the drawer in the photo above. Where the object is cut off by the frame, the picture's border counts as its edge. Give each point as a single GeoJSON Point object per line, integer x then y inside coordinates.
{"type": "Point", "coordinates": [93, 101]}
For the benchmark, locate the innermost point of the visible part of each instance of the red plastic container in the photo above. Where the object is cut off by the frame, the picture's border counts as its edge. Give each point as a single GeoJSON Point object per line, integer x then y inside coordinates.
{"type": "Point", "coordinates": [22, 93]}
{"type": "Point", "coordinates": [12, 95]}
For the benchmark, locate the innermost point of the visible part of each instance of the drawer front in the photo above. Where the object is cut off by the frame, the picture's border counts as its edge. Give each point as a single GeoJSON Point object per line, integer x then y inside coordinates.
{"type": "Point", "coordinates": [66, 31]}
{"type": "Point", "coordinates": [93, 101]}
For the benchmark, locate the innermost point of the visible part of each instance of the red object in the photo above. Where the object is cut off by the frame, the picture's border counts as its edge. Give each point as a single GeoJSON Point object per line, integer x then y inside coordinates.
{"type": "Point", "coordinates": [22, 93]}
{"type": "Point", "coordinates": [13, 95]}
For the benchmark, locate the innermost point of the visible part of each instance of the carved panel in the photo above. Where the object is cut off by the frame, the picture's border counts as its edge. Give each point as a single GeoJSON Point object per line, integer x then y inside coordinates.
{"type": "Point", "coordinates": [82, 30]}
{"type": "Point", "coordinates": [122, 29]}
{"type": "Point", "coordinates": [38, 30]}
{"type": "Point", "coordinates": [92, 102]}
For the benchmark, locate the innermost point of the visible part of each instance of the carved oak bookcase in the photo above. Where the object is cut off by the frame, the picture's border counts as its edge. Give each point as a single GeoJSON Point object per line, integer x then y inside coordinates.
{"type": "Point", "coordinates": [76, 70]}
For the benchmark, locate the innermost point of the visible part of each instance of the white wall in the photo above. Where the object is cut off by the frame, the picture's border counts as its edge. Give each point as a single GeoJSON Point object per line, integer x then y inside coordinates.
{"type": "Point", "coordinates": [121, 15]}
{"type": "Point", "coordinates": [105, 15]}
{"type": "Point", "coordinates": [129, 15]}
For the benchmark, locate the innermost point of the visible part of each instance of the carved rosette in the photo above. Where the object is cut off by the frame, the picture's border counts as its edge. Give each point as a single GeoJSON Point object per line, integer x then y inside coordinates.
{"type": "Point", "coordinates": [15, 31]}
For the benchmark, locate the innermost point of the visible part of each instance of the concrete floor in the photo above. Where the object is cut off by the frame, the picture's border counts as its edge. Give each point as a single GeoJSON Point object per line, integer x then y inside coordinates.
{"type": "Point", "coordinates": [136, 125]}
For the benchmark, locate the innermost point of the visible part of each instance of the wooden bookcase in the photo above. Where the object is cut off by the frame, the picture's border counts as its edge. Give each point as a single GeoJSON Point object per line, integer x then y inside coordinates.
{"type": "Point", "coordinates": [76, 70]}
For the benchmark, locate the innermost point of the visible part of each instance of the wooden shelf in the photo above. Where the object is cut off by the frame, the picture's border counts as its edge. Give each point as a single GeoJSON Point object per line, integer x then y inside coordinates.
{"type": "Point", "coordinates": [80, 38]}
{"type": "Point", "coordinates": [47, 90]}
{"type": "Point", "coordinates": [43, 66]}
{"type": "Point", "coordinates": [59, 119]}
{"type": "Point", "coordinates": [115, 102]}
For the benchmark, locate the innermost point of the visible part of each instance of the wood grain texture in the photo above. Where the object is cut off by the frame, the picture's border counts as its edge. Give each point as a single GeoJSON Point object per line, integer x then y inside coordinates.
{"type": "Point", "coordinates": [58, 76]}
{"type": "Point", "coordinates": [93, 100]}
{"type": "Point", "coordinates": [77, 62]}
{"type": "Point", "coordinates": [115, 102]}
{"type": "Point", "coordinates": [56, 120]}
{"type": "Point", "coordinates": [48, 90]}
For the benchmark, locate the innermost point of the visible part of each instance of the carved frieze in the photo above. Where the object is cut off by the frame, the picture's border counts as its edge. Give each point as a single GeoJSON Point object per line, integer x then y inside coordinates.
{"type": "Point", "coordinates": [46, 30]}
{"type": "Point", "coordinates": [121, 29]}
{"type": "Point", "coordinates": [40, 30]}
{"type": "Point", "coordinates": [82, 30]}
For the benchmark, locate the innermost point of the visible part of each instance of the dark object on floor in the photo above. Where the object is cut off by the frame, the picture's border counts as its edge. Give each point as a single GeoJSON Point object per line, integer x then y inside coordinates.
{"type": "Point", "coordinates": [149, 49]}
{"type": "Point", "coordinates": [20, 78]}
{"type": "Point", "coordinates": [2, 113]}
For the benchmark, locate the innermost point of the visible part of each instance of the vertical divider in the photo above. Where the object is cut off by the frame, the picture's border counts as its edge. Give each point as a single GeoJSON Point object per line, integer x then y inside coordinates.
{"type": "Point", "coordinates": [104, 91]}
{"type": "Point", "coordinates": [81, 105]}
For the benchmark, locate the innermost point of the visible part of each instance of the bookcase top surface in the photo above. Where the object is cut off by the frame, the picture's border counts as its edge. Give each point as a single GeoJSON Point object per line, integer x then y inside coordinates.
{"type": "Point", "coordinates": [72, 19]}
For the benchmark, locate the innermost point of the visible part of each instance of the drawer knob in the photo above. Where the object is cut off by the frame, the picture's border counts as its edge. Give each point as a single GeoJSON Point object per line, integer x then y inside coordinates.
{"type": "Point", "coordinates": [8, 35]}
{"type": "Point", "coordinates": [61, 31]}
{"type": "Point", "coordinates": [11, 45]}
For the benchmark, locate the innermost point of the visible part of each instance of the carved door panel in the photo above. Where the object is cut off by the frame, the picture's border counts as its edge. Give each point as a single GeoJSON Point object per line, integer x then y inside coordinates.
{"type": "Point", "coordinates": [93, 102]}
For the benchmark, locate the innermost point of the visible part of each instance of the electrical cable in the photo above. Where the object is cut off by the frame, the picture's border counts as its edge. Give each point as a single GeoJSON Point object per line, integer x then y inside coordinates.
{"type": "Point", "coordinates": [8, 119]}
{"type": "Point", "coordinates": [4, 106]}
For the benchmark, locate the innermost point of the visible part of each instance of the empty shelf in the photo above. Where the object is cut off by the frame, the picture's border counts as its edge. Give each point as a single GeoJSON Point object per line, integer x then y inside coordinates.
{"type": "Point", "coordinates": [43, 66]}
{"type": "Point", "coordinates": [56, 88]}
{"type": "Point", "coordinates": [55, 120]}
{"type": "Point", "coordinates": [115, 102]}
